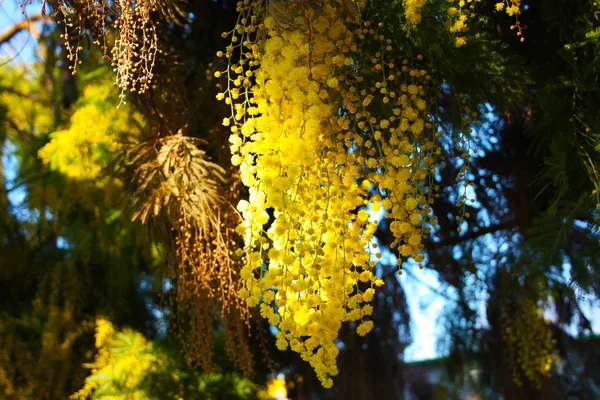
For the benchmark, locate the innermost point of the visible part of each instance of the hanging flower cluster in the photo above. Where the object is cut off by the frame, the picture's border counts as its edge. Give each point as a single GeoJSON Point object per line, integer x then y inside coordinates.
{"type": "Point", "coordinates": [458, 14]}
{"type": "Point", "coordinates": [529, 343]}
{"type": "Point", "coordinates": [323, 128]}
{"type": "Point", "coordinates": [513, 9]}
{"type": "Point", "coordinates": [135, 46]}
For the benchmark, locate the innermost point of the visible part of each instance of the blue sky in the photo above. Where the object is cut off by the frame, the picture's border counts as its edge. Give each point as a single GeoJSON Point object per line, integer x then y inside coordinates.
{"type": "Point", "coordinates": [22, 48]}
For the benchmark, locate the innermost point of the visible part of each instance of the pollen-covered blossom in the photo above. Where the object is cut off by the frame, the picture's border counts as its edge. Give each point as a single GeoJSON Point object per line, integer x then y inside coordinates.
{"type": "Point", "coordinates": [412, 11]}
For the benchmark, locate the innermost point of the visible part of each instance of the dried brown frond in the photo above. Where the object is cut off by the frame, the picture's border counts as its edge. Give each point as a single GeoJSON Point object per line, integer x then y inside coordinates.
{"type": "Point", "coordinates": [174, 175]}
{"type": "Point", "coordinates": [206, 292]}
{"type": "Point", "coordinates": [178, 185]}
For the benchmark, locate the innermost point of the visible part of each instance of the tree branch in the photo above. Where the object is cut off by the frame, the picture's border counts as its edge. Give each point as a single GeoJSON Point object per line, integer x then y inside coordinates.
{"type": "Point", "coordinates": [24, 24]}
{"type": "Point", "coordinates": [20, 94]}
{"type": "Point", "coordinates": [470, 235]}
{"type": "Point", "coordinates": [11, 124]}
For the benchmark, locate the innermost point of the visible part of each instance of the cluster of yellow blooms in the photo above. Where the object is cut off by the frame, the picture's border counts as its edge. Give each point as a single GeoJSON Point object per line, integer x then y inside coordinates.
{"type": "Point", "coordinates": [128, 366]}
{"type": "Point", "coordinates": [84, 158]}
{"type": "Point", "coordinates": [458, 13]}
{"type": "Point", "coordinates": [529, 343]}
{"type": "Point", "coordinates": [321, 130]}
{"type": "Point", "coordinates": [412, 11]}
{"type": "Point", "coordinates": [513, 9]}
{"type": "Point", "coordinates": [80, 155]}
